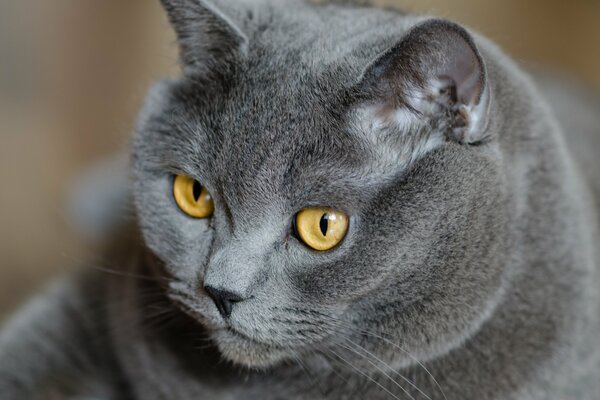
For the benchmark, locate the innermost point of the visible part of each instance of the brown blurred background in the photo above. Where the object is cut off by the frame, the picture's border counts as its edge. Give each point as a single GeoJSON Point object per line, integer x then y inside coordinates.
{"type": "Point", "coordinates": [73, 73]}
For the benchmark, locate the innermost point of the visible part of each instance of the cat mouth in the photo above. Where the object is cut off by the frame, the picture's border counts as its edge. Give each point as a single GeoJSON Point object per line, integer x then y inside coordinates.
{"type": "Point", "coordinates": [236, 334]}
{"type": "Point", "coordinates": [234, 344]}
{"type": "Point", "coordinates": [245, 350]}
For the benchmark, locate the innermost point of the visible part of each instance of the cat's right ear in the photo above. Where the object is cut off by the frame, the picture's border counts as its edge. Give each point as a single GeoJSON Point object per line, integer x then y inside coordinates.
{"type": "Point", "coordinates": [208, 40]}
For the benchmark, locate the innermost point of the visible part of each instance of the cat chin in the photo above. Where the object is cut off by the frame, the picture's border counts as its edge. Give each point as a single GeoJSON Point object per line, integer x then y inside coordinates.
{"type": "Point", "coordinates": [247, 352]}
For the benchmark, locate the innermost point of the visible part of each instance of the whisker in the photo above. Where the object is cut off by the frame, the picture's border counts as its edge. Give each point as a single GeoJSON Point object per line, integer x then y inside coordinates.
{"type": "Point", "coordinates": [365, 375]}
{"type": "Point", "coordinates": [420, 364]}
{"type": "Point", "coordinates": [344, 324]}
{"type": "Point", "coordinates": [314, 383]}
{"type": "Point", "coordinates": [331, 366]}
{"type": "Point", "coordinates": [383, 371]}
{"type": "Point", "coordinates": [99, 265]}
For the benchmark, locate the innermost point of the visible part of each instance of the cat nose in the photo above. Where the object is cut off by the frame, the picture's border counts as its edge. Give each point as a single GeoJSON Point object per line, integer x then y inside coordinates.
{"type": "Point", "coordinates": [224, 299]}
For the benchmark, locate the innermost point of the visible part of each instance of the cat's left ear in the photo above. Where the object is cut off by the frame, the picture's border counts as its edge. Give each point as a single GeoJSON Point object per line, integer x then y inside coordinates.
{"type": "Point", "coordinates": [435, 73]}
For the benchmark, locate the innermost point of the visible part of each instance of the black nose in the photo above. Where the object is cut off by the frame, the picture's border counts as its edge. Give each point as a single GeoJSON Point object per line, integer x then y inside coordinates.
{"type": "Point", "coordinates": [223, 299]}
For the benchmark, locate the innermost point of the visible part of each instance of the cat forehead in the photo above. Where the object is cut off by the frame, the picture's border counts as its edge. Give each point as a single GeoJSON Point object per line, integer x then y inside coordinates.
{"type": "Point", "coordinates": [270, 126]}
{"type": "Point", "coordinates": [255, 145]}
{"type": "Point", "coordinates": [286, 110]}
{"type": "Point", "coordinates": [292, 85]}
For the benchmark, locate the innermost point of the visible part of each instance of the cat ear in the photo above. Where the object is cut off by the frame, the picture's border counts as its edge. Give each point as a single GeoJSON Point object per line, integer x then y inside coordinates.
{"type": "Point", "coordinates": [208, 39]}
{"type": "Point", "coordinates": [437, 73]}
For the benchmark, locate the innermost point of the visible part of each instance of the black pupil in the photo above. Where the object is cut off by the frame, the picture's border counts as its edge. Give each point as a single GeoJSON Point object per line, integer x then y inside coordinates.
{"type": "Point", "coordinates": [197, 190]}
{"type": "Point", "coordinates": [324, 223]}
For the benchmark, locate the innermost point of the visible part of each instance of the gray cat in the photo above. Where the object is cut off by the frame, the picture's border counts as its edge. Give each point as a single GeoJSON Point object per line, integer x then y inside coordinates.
{"type": "Point", "coordinates": [336, 202]}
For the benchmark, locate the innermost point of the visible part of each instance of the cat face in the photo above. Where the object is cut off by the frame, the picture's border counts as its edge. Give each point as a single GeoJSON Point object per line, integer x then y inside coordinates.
{"type": "Point", "coordinates": [388, 130]}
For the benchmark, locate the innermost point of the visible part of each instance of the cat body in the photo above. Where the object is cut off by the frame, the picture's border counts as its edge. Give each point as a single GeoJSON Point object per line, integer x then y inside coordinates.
{"type": "Point", "coordinates": [470, 269]}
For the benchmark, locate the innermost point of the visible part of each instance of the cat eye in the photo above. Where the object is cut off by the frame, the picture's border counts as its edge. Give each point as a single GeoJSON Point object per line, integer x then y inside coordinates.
{"type": "Point", "coordinates": [192, 198]}
{"type": "Point", "coordinates": [320, 228]}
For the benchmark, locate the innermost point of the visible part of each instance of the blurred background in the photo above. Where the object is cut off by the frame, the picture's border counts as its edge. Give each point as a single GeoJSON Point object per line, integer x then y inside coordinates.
{"type": "Point", "coordinates": [73, 74]}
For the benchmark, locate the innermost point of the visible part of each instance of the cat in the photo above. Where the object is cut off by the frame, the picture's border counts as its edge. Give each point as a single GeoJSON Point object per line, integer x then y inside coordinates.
{"type": "Point", "coordinates": [336, 201]}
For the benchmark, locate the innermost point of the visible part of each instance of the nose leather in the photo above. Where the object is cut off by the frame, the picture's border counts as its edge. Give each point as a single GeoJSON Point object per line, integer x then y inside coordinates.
{"type": "Point", "coordinates": [224, 300]}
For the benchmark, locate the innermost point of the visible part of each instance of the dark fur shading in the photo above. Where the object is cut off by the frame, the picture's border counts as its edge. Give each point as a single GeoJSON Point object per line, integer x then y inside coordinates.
{"type": "Point", "coordinates": [470, 268]}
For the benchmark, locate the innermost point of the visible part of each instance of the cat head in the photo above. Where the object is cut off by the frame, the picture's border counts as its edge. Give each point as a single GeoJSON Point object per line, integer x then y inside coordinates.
{"type": "Point", "coordinates": [288, 116]}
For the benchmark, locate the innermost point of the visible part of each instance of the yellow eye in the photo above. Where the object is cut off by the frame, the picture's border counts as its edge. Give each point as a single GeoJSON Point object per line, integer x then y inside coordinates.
{"type": "Point", "coordinates": [192, 197]}
{"type": "Point", "coordinates": [321, 228]}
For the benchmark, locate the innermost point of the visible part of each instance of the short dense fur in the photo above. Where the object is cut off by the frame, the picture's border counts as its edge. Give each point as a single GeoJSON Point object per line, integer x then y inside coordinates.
{"type": "Point", "coordinates": [470, 270]}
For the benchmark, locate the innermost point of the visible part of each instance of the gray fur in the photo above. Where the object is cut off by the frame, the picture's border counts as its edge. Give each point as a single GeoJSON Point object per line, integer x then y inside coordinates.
{"type": "Point", "coordinates": [470, 270]}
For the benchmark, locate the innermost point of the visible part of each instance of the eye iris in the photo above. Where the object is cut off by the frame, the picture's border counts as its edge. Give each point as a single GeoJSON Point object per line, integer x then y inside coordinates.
{"type": "Point", "coordinates": [321, 229]}
{"type": "Point", "coordinates": [192, 198]}
{"type": "Point", "coordinates": [324, 224]}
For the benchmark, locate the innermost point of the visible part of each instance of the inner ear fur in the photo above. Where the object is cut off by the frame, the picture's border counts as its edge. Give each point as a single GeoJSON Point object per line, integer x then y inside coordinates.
{"type": "Point", "coordinates": [435, 70]}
